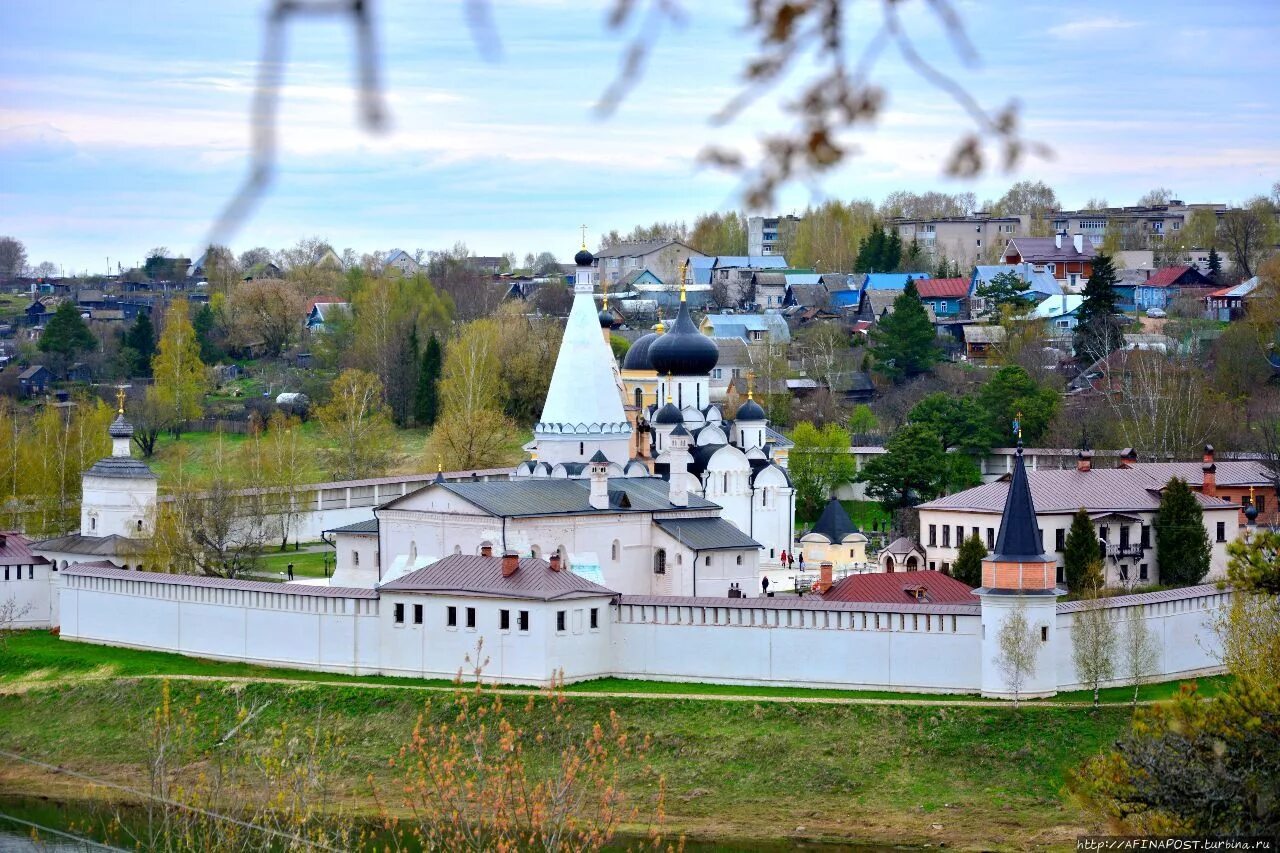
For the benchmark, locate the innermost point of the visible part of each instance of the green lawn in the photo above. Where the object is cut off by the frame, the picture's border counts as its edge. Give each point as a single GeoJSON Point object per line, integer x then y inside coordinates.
{"type": "Point", "coordinates": [867, 514]}
{"type": "Point", "coordinates": [41, 656]}
{"type": "Point", "coordinates": [977, 778]}
{"type": "Point", "coordinates": [306, 564]}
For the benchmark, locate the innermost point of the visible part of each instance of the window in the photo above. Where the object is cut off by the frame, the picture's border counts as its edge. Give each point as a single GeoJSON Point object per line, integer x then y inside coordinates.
{"type": "Point", "coordinates": [979, 242]}
{"type": "Point", "coordinates": [944, 306]}
{"type": "Point", "coordinates": [1059, 540]}
{"type": "Point", "coordinates": [417, 614]}
{"type": "Point", "coordinates": [582, 448]}
{"type": "Point", "coordinates": [975, 533]}
{"type": "Point", "coordinates": [933, 535]}
{"type": "Point", "coordinates": [946, 536]}
{"type": "Point", "coordinates": [991, 538]}
{"type": "Point", "coordinates": [522, 621]}
{"type": "Point", "coordinates": [1062, 574]}
{"type": "Point", "coordinates": [1124, 573]}
{"type": "Point", "coordinates": [355, 558]}
{"type": "Point", "coordinates": [93, 523]}
{"type": "Point", "coordinates": [740, 559]}
{"type": "Point", "coordinates": [1104, 533]}
{"type": "Point", "coordinates": [959, 534]}
{"type": "Point", "coordinates": [1222, 531]}
{"type": "Point", "coordinates": [560, 619]}
{"type": "Point", "coordinates": [1142, 572]}
{"type": "Point", "coordinates": [471, 617]}
{"type": "Point", "coordinates": [717, 373]}
{"type": "Point", "coordinates": [1146, 536]}
{"type": "Point", "coordinates": [660, 561]}
{"type": "Point", "coordinates": [31, 572]}
{"type": "Point", "coordinates": [706, 561]}
{"type": "Point", "coordinates": [399, 614]}
{"type": "Point", "coordinates": [595, 618]}
{"type": "Point", "coordinates": [451, 617]}
{"type": "Point", "coordinates": [615, 550]}
{"type": "Point", "coordinates": [1261, 503]}
{"type": "Point", "coordinates": [1044, 633]}
{"type": "Point", "coordinates": [139, 524]}
{"type": "Point", "coordinates": [504, 620]}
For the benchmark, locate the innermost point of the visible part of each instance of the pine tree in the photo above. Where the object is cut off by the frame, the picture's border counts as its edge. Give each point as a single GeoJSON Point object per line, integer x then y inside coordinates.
{"type": "Point", "coordinates": [141, 339]}
{"type": "Point", "coordinates": [904, 342]}
{"type": "Point", "coordinates": [426, 400]}
{"type": "Point", "coordinates": [1098, 328]}
{"type": "Point", "coordinates": [67, 334]}
{"type": "Point", "coordinates": [968, 565]}
{"type": "Point", "coordinates": [892, 251]}
{"type": "Point", "coordinates": [1182, 544]}
{"type": "Point", "coordinates": [1080, 550]}
{"type": "Point", "coordinates": [1006, 288]}
{"type": "Point", "coordinates": [1215, 265]}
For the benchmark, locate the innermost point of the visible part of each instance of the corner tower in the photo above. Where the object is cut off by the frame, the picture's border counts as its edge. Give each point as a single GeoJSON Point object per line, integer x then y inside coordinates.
{"type": "Point", "coordinates": [1018, 577]}
{"type": "Point", "coordinates": [118, 492]}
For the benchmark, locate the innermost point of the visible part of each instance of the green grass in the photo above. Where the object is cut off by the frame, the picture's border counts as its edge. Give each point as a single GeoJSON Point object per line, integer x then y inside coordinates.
{"type": "Point", "coordinates": [990, 777]}
{"type": "Point", "coordinates": [41, 656]}
{"type": "Point", "coordinates": [867, 514]}
{"type": "Point", "coordinates": [306, 564]}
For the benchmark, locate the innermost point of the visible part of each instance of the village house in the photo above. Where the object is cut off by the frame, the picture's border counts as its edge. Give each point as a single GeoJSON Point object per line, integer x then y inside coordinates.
{"type": "Point", "coordinates": [1167, 283]}
{"type": "Point", "coordinates": [403, 262]}
{"type": "Point", "coordinates": [947, 298]}
{"type": "Point", "coordinates": [1067, 259]}
{"type": "Point", "coordinates": [664, 258]}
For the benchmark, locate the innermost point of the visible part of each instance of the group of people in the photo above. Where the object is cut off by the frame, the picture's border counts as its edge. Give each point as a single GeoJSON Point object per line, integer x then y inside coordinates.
{"type": "Point", "coordinates": [788, 561]}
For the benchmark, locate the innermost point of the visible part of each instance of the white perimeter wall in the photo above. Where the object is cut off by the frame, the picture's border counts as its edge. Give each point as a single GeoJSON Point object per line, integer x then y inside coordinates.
{"type": "Point", "coordinates": [324, 633]}
{"type": "Point", "coordinates": [33, 591]}
{"type": "Point", "coordinates": [740, 644]}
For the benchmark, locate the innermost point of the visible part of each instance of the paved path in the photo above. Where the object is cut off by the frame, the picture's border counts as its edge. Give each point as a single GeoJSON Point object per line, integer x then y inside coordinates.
{"type": "Point", "coordinates": [22, 686]}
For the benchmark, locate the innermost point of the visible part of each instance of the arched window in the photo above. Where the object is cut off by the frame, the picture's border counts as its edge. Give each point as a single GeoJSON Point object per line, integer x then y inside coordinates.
{"type": "Point", "coordinates": [616, 550]}
{"type": "Point", "coordinates": [582, 448]}
{"type": "Point", "coordinates": [660, 561]}
{"type": "Point", "coordinates": [139, 524]}
{"type": "Point", "coordinates": [93, 522]}
{"type": "Point", "coordinates": [726, 483]}
{"type": "Point", "coordinates": [888, 564]}
{"type": "Point", "coordinates": [355, 557]}
{"type": "Point", "coordinates": [639, 398]}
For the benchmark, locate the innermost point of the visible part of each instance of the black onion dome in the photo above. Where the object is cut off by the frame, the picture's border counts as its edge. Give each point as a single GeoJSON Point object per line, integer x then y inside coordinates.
{"type": "Point", "coordinates": [683, 350]}
{"type": "Point", "coordinates": [668, 414]}
{"type": "Point", "coordinates": [606, 319]}
{"type": "Point", "coordinates": [637, 357]}
{"type": "Point", "coordinates": [584, 258]}
{"type": "Point", "coordinates": [750, 411]}
{"type": "Point", "coordinates": [1251, 513]}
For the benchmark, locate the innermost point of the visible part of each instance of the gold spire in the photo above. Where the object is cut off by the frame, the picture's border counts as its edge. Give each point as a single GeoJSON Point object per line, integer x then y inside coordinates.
{"type": "Point", "coordinates": [660, 328]}
{"type": "Point", "coordinates": [604, 288]}
{"type": "Point", "coordinates": [439, 466]}
{"type": "Point", "coordinates": [120, 400]}
{"type": "Point", "coordinates": [684, 273]}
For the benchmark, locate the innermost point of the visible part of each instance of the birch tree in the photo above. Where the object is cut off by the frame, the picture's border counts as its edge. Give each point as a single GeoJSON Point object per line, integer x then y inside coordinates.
{"type": "Point", "coordinates": [1016, 656]}
{"type": "Point", "coordinates": [1139, 651]}
{"type": "Point", "coordinates": [358, 425]}
{"type": "Point", "coordinates": [1093, 636]}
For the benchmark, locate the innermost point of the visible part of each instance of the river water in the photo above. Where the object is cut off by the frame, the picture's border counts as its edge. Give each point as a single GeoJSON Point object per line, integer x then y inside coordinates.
{"type": "Point", "coordinates": [78, 826]}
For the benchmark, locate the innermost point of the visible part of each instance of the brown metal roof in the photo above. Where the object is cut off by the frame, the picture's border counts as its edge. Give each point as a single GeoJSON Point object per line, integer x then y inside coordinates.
{"type": "Point", "coordinates": [16, 551]}
{"type": "Point", "coordinates": [1098, 490]}
{"type": "Point", "coordinates": [102, 570]}
{"type": "Point", "coordinates": [468, 574]}
{"type": "Point", "coordinates": [900, 587]}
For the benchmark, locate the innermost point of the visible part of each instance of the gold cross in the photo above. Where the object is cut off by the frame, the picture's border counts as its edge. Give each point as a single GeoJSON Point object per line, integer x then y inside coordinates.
{"type": "Point", "coordinates": [584, 236]}
{"type": "Point", "coordinates": [120, 400]}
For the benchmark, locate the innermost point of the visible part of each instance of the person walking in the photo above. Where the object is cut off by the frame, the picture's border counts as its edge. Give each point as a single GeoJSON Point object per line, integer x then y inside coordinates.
{"type": "Point", "coordinates": [291, 571]}
{"type": "Point", "coordinates": [764, 585]}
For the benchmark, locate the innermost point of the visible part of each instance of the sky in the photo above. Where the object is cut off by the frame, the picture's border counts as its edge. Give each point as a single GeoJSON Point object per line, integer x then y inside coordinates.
{"type": "Point", "coordinates": [125, 125]}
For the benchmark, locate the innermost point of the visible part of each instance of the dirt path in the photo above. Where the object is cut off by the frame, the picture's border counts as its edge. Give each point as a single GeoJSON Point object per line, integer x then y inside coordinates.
{"type": "Point", "coordinates": [104, 674]}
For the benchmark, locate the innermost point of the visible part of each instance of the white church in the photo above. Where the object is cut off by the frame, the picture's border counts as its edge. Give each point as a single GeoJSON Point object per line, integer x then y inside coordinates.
{"type": "Point", "coordinates": [630, 543]}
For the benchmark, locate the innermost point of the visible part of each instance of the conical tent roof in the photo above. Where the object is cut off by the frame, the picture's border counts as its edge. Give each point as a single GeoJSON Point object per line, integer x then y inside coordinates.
{"type": "Point", "coordinates": [1019, 539]}
{"type": "Point", "coordinates": [583, 397]}
{"type": "Point", "coordinates": [834, 523]}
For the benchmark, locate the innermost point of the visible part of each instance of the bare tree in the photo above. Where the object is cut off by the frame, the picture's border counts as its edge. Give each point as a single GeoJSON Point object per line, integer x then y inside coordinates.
{"type": "Point", "coordinates": [1093, 638]}
{"type": "Point", "coordinates": [1164, 405]}
{"type": "Point", "coordinates": [11, 612]}
{"type": "Point", "coordinates": [1017, 650]}
{"type": "Point", "coordinates": [1249, 235]}
{"type": "Point", "coordinates": [13, 257]}
{"type": "Point", "coordinates": [1139, 652]}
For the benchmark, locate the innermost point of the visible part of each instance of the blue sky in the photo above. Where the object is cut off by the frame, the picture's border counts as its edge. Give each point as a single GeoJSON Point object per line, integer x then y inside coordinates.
{"type": "Point", "coordinates": [124, 126]}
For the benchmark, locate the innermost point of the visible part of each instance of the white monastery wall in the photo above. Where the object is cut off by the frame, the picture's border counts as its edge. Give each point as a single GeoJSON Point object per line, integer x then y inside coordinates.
{"type": "Point", "coordinates": [33, 592]}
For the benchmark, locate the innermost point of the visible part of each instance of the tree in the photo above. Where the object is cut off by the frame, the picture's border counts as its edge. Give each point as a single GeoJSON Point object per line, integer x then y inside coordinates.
{"type": "Point", "coordinates": [483, 439]}
{"type": "Point", "coordinates": [1093, 636]}
{"type": "Point", "coordinates": [1139, 652]}
{"type": "Point", "coordinates": [1254, 563]}
{"type": "Point", "coordinates": [67, 335]}
{"type": "Point", "coordinates": [819, 462]}
{"type": "Point", "coordinates": [968, 565]}
{"type": "Point", "coordinates": [1097, 327]}
{"type": "Point", "coordinates": [1016, 647]}
{"type": "Point", "coordinates": [1005, 289]}
{"type": "Point", "coordinates": [257, 256]}
{"type": "Point", "coordinates": [1215, 265]}
{"type": "Point", "coordinates": [1155, 197]}
{"type": "Point", "coordinates": [208, 335]}
{"type": "Point", "coordinates": [1011, 394]}
{"type": "Point", "coordinates": [1029, 198]}
{"type": "Point", "coordinates": [1192, 766]}
{"type": "Point", "coordinates": [879, 251]}
{"type": "Point", "coordinates": [284, 471]}
{"type": "Point", "coordinates": [13, 257]}
{"type": "Point", "coordinates": [472, 376]}
{"type": "Point", "coordinates": [426, 400]}
{"type": "Point", "coordinates": [545, 264]}
{"type": "Point", "coordinates": [1249, 235]}
{"type": "Point", "coordinates": [1163, 403]}
{"type": "Point", "coordinates": [904, 342]}
{"type": "Point", "coordinates": [960, 422]}
{"type": "Point", "coordinates": [911, 469]}
{"type": "Point", "coordinates": [1079, 551]}
{"type": "Point", "coordinates": [357, 424]}
{"type": "Point", "coordinates": [141, 341]}
{"type": "Point", "coordinates": [720, 234]}
{"type": "Point", "coordinates": [148, 420]}
{"type": "Point", "coordinates": [1182, 543]}
{"type": "Point", "coordinates": [180, 375]}
{"type": "Point", "coordinates": [827, 237]}
{"type": "Point", "coordinates": [272, 310]}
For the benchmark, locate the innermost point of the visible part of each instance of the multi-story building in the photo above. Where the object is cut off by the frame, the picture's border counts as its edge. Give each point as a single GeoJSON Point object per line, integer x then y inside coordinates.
{"type": "Point", "coordinates": [967, 240]}
{"type": "Point", "coordinates": [663, 258]}
{"type": "Point", "coordinates": [1067, 259]}
{"type": "Point", "coordinates": [1148, 224]}
{"type": "Point", "coordinates": [764, 235]}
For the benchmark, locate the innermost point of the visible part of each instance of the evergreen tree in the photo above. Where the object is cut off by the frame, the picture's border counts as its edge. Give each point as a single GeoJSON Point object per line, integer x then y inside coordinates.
{"type": "Point", "coordinates": [67, 335]}
{"type": "Point", "coordinates": [1182, 543]}
{"type": "Point", "coordinates": [204, 323]}
{"type": "Point", "coordinates": [960, 422]}
{"type": "Point", "coordinates": [1080, 549]}
{"type": "Point", "coordinates": [968, 565]}
{"type": "Point", "coordinates": [904, 342]}
{"type": "Point", "coordinates": [1012, 394]}
{"type": "Point", "coordinates": [913, 258]}
{"type": "Point", "coordinates": [892, 251]}
{"type": "Point", "coordinates": [1006, 288]}
{"type": "Point", "coordinates": [1215, 265]}
{"type": "Point", "coordinates": [141, 340]}
{"type": "Point", "coordinates": [426, 400]}
{"type": "Point", "coordinates": [1098, 328]}
{"type": "Point", "coordinates": [911, 469]}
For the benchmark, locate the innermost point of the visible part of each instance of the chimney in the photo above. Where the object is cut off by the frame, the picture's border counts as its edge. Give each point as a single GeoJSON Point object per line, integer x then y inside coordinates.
{"type": "Point", "coordinates": [1078, 240]}
{"type": "Point", "coordinates": [486, 550]}
{"type": "Point", "coordinates": [1084, 462]}
{"type": "Point", "coordinates": [510, 562]}
{"type": "Point", "coordinates": [555, 561]}
{"type": "Point", "coordinates": [598, 470]}
{"type": "Point", "coordinates": [678, 463]}
{"type": "Point", "coordinates": [1057, 239]}
{"type": "Point", "coordinates": [1208, 454]}
{"type": "Point", "coordinates": [824, 577]}
{"type": "Point", "coordinates": [1128, 457]}
{"type": "Point", "coordinates": [1209, 477]}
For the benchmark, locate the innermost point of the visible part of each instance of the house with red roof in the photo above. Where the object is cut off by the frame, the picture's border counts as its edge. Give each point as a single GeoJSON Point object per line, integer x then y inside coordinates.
{"type": "Point", "coordinates": [948, 297]}
{"type": "Point", "coordinates": [921, 587]}
{"type": "Point", "coordinates": [1068, 259]}
{"type": "Point", "coordinates": [1167, 283]}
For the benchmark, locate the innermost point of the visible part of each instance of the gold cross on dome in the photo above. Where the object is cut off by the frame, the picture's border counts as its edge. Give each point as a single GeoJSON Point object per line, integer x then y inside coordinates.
{"type": "Point", "coordinates": [120, 399]}
{"type": "Point", "coordinates": [584, 235]}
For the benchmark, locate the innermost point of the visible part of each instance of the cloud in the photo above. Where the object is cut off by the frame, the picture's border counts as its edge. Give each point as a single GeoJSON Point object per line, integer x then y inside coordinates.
{"type": "Point", "coordinates": [1090, 26]}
